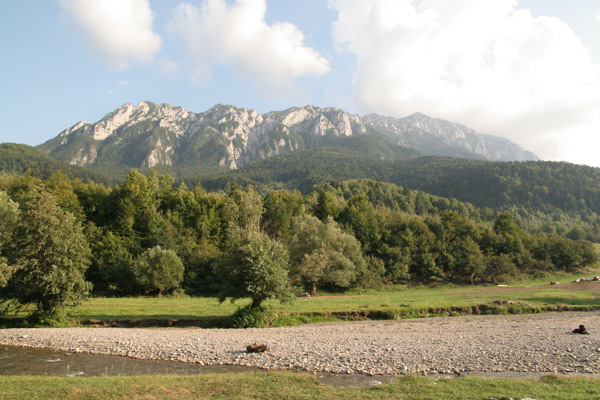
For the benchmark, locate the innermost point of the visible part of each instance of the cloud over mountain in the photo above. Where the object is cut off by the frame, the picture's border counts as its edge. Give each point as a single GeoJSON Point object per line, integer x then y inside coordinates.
{"type": "Point", "coordinates": [491, 65]}
{"type": "Point", "coordinates": [239, 35]}
{"type": "Point", "coordinates": [119, 30]}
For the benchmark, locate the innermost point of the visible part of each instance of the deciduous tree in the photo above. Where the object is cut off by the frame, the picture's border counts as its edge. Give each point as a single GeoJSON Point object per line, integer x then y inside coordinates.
{"type": "Point", "coordinates": [52, 253]}
{"type": "Point", "coordinates": [321, 253]}
{"type": "Point", "coordinates": [158, 270]}
{"type": "Point", "coordinates": [9, 216]}
{"type": "Point", "coordinates": [255, 266]}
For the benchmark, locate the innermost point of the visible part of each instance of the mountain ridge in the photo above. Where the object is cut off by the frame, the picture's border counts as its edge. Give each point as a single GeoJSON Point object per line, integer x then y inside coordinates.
{"type": "Point", "coordinates": [148, 135]}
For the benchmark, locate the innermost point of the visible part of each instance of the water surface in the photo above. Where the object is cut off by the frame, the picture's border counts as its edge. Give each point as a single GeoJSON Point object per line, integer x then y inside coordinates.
{"type": "Point", "coordinates": [34, 361]}
{"type": "Point", "coordinates": [45, 362]}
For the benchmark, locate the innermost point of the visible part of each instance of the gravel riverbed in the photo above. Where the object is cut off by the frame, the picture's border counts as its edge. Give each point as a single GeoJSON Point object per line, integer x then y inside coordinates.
{"type": "Point", "coordinates": [515, 343]}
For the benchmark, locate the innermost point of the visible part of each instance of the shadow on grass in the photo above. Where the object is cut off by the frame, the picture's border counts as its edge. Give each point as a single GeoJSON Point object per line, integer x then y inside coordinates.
{"type": "Point", "coordinates": [161, 320]}
{"type": "Point", "coordinates": [7, 322]}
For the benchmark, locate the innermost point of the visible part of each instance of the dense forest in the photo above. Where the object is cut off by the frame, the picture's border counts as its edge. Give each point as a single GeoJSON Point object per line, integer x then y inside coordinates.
{"type": "Point", "coordinates": [20, 158]}
{"type": "Point", "coordinates": [546, 196]}
{"type": "Point", "coordinates": [543, 196]}
{"type": "Point", "coordinates": [62, 237]}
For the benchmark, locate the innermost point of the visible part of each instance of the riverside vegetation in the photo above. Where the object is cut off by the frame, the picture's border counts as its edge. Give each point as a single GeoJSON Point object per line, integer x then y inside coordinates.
{"type": "Point", "coordinates": [149, 236]}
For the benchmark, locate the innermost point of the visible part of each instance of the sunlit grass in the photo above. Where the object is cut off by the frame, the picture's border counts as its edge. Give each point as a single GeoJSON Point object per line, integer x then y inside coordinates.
{"type": "Point", "coordinates": [401, 300]}
{"type": "Point", "coordinates": [392, 302]}
{"type": "Point", "coordinates": [279, 385]}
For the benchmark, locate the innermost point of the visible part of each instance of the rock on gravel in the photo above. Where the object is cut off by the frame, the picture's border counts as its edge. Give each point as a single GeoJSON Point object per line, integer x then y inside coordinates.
{"type": "Point", "coordinates": [516, 343]}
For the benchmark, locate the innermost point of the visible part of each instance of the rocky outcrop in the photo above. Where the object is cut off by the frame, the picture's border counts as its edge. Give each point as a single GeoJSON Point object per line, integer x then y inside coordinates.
{"type": "Point", "coordinates": [148, 134]}
{"type": "Point", "coordinates": [417, 129]}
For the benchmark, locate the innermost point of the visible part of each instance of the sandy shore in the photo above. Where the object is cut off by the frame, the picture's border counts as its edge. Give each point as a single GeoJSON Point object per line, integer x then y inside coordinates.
{"type": "Point", "coordinates": [516, 343]}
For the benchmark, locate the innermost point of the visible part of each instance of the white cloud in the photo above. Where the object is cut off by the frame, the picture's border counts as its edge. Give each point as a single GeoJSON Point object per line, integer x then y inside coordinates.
{"type": "Point", "coordinates": [119, 30]}
{"type": "Point", "coordinates": [486, 64]}
{"type": "Point", "coordinates": [109, 92]}
{"type": "Point", "coordinates": [122, 83]}
{"type": "Point", "coordinates": [598, 18]}
{"type": "Point", "coordinates": [201, 76]}
{"type": "Point", "coordinates": [238, 34]}
{"type": "Point", "coordinates": [168, 67]}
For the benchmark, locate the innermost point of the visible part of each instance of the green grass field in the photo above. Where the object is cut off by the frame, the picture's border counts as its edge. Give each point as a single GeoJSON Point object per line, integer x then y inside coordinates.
{"type": "Point", "coordinates": [395, 302]}
{"type": "Point", "coordinates": [386, 303]}
{"type": "Point", "coordinates": [392, 299]}
{"type": "Point", "coordinates": [280, 385]}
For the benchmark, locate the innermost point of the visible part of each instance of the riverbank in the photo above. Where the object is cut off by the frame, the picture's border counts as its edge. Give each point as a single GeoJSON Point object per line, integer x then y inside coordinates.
{"type": "Point", "coordinates": [500, 343]}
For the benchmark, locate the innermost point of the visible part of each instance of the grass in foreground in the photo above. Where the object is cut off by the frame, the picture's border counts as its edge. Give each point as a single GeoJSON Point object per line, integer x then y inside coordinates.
{"type": "Point", "coordinates": [280, 385]}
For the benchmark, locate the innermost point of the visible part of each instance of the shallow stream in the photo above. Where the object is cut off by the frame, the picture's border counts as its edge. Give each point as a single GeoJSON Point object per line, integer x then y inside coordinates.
{"type": "Point", "coordinates": [33, 361]}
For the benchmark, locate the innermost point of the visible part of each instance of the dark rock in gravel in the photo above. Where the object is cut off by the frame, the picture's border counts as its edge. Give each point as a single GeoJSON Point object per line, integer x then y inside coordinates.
{"type": "Point", "coordinates": [257, 348]}
{"type": "Point", "coordinates": [582, 330]}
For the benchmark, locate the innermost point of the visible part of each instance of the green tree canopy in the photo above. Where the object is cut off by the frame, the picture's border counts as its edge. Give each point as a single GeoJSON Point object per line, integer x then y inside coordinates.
{"type": "Point", "coordinates": [158, 270]}
{"type": "Point", "coordinates": [321, 253]}
{"type": "Point", "coordinates": [255, 266]}
{"type": "Point", "coordinates": [52, 253]}
{"type": "Point", "coordinates": [9, 216]}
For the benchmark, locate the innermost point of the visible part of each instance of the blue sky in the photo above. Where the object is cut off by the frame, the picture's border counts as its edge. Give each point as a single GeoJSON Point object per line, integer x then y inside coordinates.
{"type": "Point", "coordinates": [527, 70]}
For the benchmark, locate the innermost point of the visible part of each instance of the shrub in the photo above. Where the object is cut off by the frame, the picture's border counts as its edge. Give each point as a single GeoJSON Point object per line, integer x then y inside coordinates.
{"type": "Point", "coordinates": [252, 317]}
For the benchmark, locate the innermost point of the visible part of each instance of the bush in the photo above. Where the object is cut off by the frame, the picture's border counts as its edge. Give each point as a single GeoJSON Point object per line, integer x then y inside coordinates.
{"type": "Point", "coordinates": [252, 317]}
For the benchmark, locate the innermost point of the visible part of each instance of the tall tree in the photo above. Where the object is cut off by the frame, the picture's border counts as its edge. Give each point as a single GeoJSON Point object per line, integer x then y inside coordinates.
{"type": "Point", "coordinates": [248, 208]}
{"type": "Point", "coordinates": [9, 217]}
{"type": "Point", "coordinates": [279, 207]}
{"type": "Point", "coordinates": [364, 221]}
{"type": "Point", "coordinates": [52, 253]}
{"type": "Point", "coordinates": [327, 205]}
{"type": "Point", "coordinates": [321, 254]}
{"type": "Point", "coordinates": [256, 267]}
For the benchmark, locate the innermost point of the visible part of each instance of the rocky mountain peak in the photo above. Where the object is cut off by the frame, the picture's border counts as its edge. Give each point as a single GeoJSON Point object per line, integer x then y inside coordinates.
{"type": "Point", "coordinates": [229, 136]}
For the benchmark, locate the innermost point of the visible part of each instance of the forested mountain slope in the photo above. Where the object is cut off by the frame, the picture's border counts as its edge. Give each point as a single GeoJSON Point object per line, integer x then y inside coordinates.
{"type": "Point", "coordinates": [547, 195]}
{"type": "Point", "coordinates": [539, 185]}
{"type": "Point", "coordinates": [20, 158]}
{"type": "Point", "coordinates": [536, 185]}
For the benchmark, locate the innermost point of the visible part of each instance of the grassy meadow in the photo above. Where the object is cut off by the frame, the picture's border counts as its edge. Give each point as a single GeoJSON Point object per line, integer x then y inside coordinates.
{"type": "Point", "coordinates": [387, 303]}
{"type": "Point", "coordinates": [390, 302]}
{"type": "Point", "coordinates": [280, 385]}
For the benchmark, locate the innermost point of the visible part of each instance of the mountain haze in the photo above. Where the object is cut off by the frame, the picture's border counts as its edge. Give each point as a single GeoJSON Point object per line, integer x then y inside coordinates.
{"type": "Point", "coordinates": [149, 135]}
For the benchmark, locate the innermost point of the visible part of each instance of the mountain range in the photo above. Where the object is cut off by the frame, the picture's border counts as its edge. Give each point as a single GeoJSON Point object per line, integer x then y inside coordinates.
{"type": "Point", "coordinates": [150, 135]}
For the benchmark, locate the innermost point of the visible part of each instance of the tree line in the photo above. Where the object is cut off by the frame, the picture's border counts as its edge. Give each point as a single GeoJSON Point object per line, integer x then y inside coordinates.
{"type": "Point", "coordinates": [552, 197]}
{"type": "Point", "coordinates": [62, 238]}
